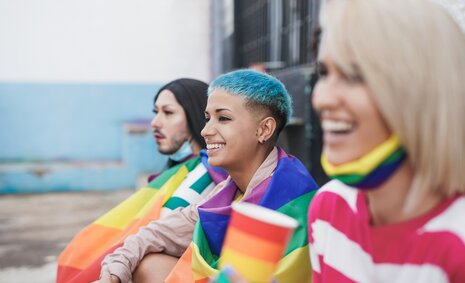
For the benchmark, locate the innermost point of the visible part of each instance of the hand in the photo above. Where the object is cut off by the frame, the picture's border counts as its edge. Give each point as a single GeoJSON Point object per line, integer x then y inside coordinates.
{"type": "Point", "coordinates": [108, 278]}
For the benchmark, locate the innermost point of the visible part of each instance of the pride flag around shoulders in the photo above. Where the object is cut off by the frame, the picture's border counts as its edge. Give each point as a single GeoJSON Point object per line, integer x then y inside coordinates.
{"type": "Point", "coordinates": [289, 190]}
{"type": "Point", "coordinates": [178, 186]}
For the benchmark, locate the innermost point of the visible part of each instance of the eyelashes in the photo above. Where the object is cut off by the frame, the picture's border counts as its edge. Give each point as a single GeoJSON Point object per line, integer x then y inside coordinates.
{"type": "Point", "coordinates": [167, 113]}
{"type": "Point", "coordinates": [220, 118]}
{"type": "Point", "coordinates": [224, 119]}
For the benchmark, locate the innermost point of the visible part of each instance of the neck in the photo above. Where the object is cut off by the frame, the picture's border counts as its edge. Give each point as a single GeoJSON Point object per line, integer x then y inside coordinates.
{"type": "Point", "coordinates": [242, 174]}
{"type": "Point", "coordinates": [195, 148]}
{"type": "Point", "coordinates": [389, 203]}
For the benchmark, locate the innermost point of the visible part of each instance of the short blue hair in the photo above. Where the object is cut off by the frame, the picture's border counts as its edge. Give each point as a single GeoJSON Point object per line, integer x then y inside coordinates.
{"type": "Point", "coordinates": [257, 89]}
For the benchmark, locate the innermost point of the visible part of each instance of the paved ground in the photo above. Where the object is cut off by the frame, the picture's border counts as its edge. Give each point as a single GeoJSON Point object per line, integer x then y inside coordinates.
{"type": "Point", "coordinates": [34, 228]}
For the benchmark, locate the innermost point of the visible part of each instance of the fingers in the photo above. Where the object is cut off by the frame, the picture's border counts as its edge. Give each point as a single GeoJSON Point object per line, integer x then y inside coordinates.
{"type": "Point", "coordinates": [106, 277]}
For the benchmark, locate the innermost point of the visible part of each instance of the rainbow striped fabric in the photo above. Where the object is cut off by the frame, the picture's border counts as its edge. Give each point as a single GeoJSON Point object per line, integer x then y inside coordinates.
{"type": "Point", "coordinates": [289, 190]}
{"type": "Point", "coordinates": [371, 169]}
{"type": "Point", "coordinates": [254, 247]}
{"type": "Point", "coordinates": [176, 187]}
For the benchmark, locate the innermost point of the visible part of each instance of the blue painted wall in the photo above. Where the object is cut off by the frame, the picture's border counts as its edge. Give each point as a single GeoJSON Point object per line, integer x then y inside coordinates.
{"type": "Point", "coordinates": [79, 125]}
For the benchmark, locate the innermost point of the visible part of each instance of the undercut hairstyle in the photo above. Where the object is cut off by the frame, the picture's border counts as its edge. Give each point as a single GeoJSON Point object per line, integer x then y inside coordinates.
{"type": "Point", "coordinates": [411, 55]}
{"type": "Point", "coordinates": [261, 92]}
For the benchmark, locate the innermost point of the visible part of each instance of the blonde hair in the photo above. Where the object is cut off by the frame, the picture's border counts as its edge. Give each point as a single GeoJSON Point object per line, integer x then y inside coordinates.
{"type": "Point", "coordinates": [411, 55]}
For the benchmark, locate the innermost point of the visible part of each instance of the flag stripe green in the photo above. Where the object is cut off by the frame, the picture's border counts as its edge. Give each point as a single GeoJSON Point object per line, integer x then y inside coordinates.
{"type": "Point", "coordinates": [202, 183]}
{"type": "Point", "coordinates": [175, 202]}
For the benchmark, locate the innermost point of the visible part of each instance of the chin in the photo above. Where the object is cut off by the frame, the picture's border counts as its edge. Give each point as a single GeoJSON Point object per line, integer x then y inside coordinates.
{"type": "Point", "coordinates": [216, 163]}
{"type": "Point", "coordinates": [340, 160]}
{"type": "Point", "coordinates": [212, 162]}
{"type": "Point", "coordinates": [165, 151]}
{"type": "Point", "coordinates": [162, 151]}
{"type": "Point", "coordinates": [337, 159]}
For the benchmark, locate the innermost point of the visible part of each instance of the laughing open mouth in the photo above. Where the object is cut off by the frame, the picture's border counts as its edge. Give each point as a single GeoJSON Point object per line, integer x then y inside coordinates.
{"type": "Point", "coordinates": [337, 126]}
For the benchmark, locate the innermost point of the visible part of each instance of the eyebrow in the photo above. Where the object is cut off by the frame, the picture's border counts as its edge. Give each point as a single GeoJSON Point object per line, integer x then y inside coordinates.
{"type": "Point", "coordinates": [219, 110]}
{"type": "Point", "coordinates": [164, 106]}
{"type": "Point", "coordinates": [222, 109]}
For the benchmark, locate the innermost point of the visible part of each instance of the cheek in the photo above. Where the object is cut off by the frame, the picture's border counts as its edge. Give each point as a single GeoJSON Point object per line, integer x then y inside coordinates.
{"type": "Point", "coordinates": [178, 124]}
{"type": "Point", "coordinates": [246, 141]}
{"type": "Point", "coordinates": [376, 127]}
{"type": "Point", "coordinates": [371, 131]}
{"type": "Point", "coordinates": [379, 131]}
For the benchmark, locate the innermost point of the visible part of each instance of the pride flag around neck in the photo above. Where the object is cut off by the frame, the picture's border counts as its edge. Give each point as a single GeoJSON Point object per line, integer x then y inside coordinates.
{"type": "Point", "coordinates": [81, 259]}
{"type": "Point", "coordinates": [289, 191]}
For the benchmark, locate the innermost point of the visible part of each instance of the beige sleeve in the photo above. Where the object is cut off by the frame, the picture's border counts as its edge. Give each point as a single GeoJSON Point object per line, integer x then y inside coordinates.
{"type": "Point", "coordinates": [171, 235]}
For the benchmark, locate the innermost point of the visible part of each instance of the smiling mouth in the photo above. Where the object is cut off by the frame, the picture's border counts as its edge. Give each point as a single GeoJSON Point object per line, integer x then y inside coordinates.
{"type": "Point", "coordinates": [337, 126]}
{"type": "Point", "coordinates": [215, 146]}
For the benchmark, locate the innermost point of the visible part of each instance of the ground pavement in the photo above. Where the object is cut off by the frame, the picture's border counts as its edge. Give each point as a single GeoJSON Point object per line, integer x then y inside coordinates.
{"type": "Point", "coordinates": [34, 228]}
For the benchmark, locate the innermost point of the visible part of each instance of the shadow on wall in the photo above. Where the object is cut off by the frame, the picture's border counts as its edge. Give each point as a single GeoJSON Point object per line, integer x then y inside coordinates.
{"type": "Point", "coordinates": [59, 137]}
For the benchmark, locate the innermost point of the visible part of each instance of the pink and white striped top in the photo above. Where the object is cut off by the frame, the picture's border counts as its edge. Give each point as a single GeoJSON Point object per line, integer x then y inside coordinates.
{"type": "Point", "coordinates": [345, 248]}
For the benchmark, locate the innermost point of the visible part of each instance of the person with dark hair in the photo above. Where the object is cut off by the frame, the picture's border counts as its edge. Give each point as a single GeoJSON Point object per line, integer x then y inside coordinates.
{"type": "Point", "coordinates": [187, 179]}
{"type": "Point", "coordinates": [179, 107]}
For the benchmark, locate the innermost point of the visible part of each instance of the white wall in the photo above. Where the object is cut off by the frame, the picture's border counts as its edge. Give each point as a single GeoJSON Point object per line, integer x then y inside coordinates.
{"type": "Point", "coordinates": [104, 40]}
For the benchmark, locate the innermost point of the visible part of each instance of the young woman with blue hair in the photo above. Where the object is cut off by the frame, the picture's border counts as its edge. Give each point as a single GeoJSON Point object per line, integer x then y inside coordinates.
{"type": "Point", "coordinates": [245, 113]}
{"type": "Point", "coordinates": [390, 96]}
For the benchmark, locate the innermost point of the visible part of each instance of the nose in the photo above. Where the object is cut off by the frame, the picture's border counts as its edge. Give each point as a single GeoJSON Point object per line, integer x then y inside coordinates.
{"type": "Point", "coordinates": [325, 95]}
{"type": "Point", "coordinates": [207, 130]}
{"type": "Point", "coordinates": [156, 122]}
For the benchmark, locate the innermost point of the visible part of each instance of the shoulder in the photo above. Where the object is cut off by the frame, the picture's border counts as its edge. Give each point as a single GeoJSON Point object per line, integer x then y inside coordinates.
{"type": "Point", "coordinates": [450, 220]}
{"type": "Point", "coordinates": [335, 193]}
{"type": "Point", "coordinates": [334, 204]}
{"type": "Point", "coordinates": [447, 229]}
{"type": "Point", "coordinates": [218, 188]}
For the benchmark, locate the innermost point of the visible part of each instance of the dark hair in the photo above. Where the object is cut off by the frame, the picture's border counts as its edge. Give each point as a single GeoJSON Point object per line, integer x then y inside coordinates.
{"type": "Point", "coordinates": [192, 95]}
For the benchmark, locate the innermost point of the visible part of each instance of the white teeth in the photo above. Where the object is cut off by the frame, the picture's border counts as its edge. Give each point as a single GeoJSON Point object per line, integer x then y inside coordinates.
{"type": "Point", "coordinates": [214, 145]}
{"type": "Point", "coordinates": [336, 126]}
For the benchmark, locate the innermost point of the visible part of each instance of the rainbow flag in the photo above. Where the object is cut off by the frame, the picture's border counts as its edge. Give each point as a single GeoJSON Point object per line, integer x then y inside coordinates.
{"type": "Point", "coordinates": [289, 190]}
{"type": "Point", "coordinates": [178, 186]}
{"type": "Point", "coordinates": [371, 169]}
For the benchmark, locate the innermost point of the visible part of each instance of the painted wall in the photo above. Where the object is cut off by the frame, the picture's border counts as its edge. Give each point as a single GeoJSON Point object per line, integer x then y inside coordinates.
{"type": "Point", "coordinates": [58, 137]}
{"type": "Point", "coordinates": [69, 121]}
{"type": "Point", "coordinates": [77, 81]}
